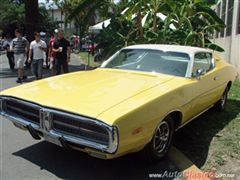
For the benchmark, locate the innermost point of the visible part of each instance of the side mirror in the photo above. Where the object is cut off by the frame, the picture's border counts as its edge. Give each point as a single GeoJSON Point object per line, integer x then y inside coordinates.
{"type": "Point", "coordinates": [199, 73]}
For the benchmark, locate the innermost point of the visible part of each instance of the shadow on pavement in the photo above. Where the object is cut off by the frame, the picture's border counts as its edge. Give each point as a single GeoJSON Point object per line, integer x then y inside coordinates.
{"type": "Point", "coordinates": [194, 139]}
{"type": "Point", "coordinates": [7, 73]}
{"type": "Point", "coordinates": [70, 164]}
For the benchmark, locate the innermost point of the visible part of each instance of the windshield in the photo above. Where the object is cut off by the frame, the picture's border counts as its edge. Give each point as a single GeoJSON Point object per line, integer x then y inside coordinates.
{"type": "Point", "coordinates": [165, 62]}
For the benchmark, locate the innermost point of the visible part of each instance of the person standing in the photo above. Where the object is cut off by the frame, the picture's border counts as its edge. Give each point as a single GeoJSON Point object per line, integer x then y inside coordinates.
{"type": "Point", "coordinates": [10, 55]}
{"type": "Point", "coordinates": [37, 50]}
{"type": "Point", "coordinates": [43, 36]}
{"type": "Point", "coordinates": [20, 47]}
{"type": "Point", "coordinates": [51, 56]}
{"type": "Point", "coordinates": [76, 42]}
{"type": "Point", "coordinates": [62, 48]}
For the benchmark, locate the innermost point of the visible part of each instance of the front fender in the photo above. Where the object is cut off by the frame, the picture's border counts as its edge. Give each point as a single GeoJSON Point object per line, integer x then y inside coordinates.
{"type": "Point", "coordinates": [138, 117]}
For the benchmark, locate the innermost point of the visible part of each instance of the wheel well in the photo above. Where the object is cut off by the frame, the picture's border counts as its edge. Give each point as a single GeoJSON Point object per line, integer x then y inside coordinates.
{"type": "Point", "coordinates": [229, 85]}
{"type": "Point", "coordinates": [177, 116]}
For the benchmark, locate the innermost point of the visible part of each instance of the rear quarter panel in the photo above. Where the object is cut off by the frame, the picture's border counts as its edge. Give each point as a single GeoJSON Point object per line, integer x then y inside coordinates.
{"type": "Point", "coordinates": [226, 72]}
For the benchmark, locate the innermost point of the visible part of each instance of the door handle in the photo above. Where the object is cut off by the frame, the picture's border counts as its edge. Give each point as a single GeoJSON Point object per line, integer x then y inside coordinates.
{"type": "Point", "coordinates": [215, 78]}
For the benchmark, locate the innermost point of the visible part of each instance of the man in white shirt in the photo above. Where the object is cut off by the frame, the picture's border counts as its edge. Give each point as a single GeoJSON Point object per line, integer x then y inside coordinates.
{"type": "Point", "coordinates": [37, 52]}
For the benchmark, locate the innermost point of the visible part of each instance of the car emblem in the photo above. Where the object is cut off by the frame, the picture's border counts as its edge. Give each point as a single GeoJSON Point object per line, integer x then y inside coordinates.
{"type": "Point", "coordinates": [44, 119]}
{"type": "Point", "coordinates": [47, 124]}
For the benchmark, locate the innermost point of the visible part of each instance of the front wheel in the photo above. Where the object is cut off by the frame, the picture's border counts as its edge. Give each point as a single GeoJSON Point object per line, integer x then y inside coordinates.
{"type": "Point", "coordinates": [161, 140]}
{"type": "Point", "coordinates": [220, 105]}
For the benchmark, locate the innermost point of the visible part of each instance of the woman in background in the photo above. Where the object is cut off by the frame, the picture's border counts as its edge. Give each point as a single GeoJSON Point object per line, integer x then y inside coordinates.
{"type": "Point", "coordinates": [10, 54]}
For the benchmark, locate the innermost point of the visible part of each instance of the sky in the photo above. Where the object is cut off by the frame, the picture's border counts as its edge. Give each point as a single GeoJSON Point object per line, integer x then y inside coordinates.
{"type": "Point", "coordinates": [48, 4]}
{"type": "Point", "coordinates": [51, 4]}
{"type": "Point", "coordinates": [42, 1]}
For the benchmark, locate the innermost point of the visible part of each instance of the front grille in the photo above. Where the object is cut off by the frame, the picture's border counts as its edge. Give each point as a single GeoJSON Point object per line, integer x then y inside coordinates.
{"type": "Point", "coordinates": [53, 124]}
{"type": "Point", "coordinates": [23, 110]}
{"type": "Point", "coordinates": [82, 129]}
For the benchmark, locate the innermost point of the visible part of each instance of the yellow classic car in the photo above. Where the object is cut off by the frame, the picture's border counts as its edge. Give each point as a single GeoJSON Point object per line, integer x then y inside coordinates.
{"type": "Point", "coordinates": [135, 101]}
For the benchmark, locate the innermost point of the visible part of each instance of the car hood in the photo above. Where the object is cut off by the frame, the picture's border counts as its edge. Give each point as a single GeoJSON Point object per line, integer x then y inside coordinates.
{"type": "Point", "coordinates": [88, 93]}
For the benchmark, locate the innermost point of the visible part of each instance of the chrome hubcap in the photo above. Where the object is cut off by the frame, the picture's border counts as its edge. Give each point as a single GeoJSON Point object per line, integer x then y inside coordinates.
{"type": "Point", "coordinates": [161, 137]}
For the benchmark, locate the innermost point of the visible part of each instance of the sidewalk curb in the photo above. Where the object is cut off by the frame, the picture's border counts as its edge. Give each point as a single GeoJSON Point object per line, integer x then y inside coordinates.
{"type": "Point", "coordinates": [77, 57]}
{"type": "Point", "coordinates": [184, 164]}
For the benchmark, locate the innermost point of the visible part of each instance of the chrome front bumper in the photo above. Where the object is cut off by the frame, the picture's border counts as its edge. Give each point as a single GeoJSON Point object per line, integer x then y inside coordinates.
{"type": "Point", "coordinates": [45, 130]}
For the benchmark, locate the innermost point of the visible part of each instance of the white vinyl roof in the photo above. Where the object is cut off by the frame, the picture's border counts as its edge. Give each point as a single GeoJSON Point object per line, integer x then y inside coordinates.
{"type": "Point", "coordinates": [177, 48]}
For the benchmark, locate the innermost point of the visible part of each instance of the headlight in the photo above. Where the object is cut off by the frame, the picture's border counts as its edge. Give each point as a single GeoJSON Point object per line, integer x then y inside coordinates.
{"type": "Point", "coordinates": [1, 105]}
{"type": "Point", "coordinates": [114, 140]}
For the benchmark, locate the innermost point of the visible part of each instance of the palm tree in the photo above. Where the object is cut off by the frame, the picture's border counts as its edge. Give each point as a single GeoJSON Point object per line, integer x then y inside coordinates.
{"type": "Point", "coordinates": [89, 9]}
{"type": "Point", "coordinates": [67, 6]}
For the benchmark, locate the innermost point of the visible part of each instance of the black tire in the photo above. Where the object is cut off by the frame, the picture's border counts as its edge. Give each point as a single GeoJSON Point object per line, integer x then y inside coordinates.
{"type": "Point", "coordinates": [220, 105]}
{"type": "Point", "coordinates": [154, 151]}
{"type": "Point", "coordinates": [98, 58]}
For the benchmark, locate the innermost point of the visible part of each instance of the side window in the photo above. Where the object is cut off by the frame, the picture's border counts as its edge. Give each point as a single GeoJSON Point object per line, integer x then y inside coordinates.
{"type": "Point", "coordinates": [202, 61]}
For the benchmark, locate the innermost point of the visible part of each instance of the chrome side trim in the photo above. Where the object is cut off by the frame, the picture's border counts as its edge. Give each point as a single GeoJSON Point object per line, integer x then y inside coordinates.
{"type": "Point", "coordinates": [194, 117]}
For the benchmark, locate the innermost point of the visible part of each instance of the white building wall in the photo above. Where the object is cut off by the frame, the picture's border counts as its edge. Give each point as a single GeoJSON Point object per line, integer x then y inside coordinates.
{"type": "Point", "coordinates": [231, 43]}
{"type": "Point", "coordinates": [58, 15]}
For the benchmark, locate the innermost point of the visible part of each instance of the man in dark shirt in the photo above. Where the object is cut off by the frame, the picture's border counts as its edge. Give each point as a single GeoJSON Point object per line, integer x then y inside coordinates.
{"type": "Point", "coordinates": [62, 48]}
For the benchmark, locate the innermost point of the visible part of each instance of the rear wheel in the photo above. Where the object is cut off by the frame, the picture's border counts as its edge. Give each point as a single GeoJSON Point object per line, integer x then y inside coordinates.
{"type": "Point", "coordinates": [220, 105]}
{"type": "Point", "coordinates": [161, 140]}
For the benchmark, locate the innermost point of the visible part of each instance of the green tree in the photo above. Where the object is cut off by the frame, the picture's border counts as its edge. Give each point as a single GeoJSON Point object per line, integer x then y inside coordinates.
{"type": "Point", "coordinates": [68, 6]}
{"type": "Point", "coordinates": [183, 22]}
{"type": "Point", "coordinates": [46, 23]}
{"type": "Point", "coordinates": [31, 16]}
{"type": "Point", "coordinates": [83, 13]}
{"type": "Point", "coordinates": [13, 15]}
{"type": "Point", "coordinates": [105, 8]}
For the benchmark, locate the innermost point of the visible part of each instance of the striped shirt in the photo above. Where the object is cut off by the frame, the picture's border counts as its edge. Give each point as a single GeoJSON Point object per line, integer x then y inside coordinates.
{"type": "Point", "coordinates": [19, 45]}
